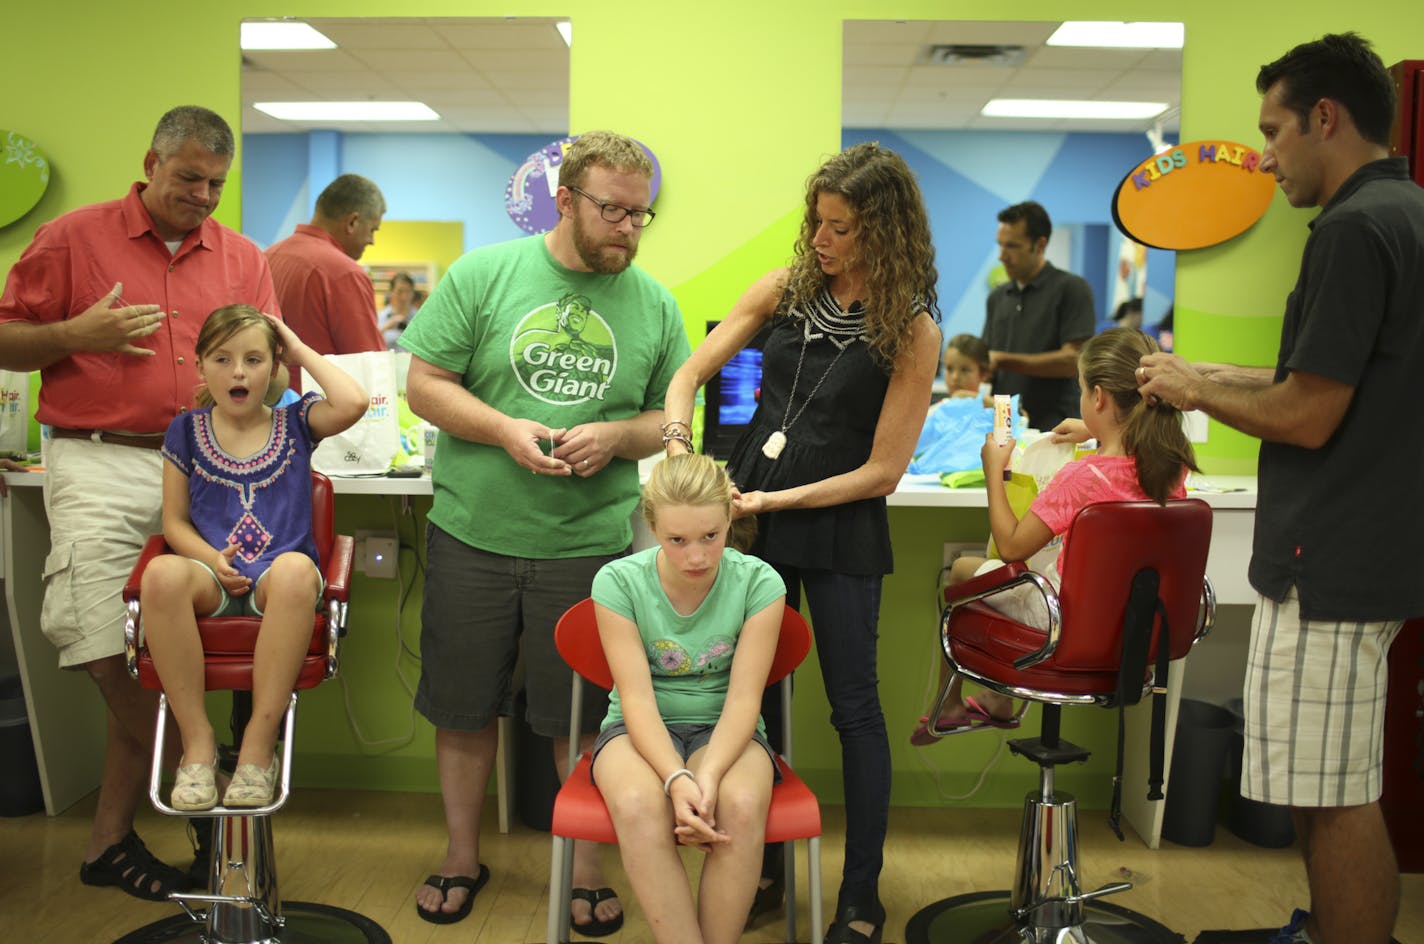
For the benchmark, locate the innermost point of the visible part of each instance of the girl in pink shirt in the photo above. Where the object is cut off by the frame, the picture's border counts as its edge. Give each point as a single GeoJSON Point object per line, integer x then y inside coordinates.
{"type": "Point", "coordinates": [1142, 453]}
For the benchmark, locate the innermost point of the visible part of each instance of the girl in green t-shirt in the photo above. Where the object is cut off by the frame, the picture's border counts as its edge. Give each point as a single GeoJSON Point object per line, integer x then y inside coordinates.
{"type": "Point", "coordinates": [689, 628]}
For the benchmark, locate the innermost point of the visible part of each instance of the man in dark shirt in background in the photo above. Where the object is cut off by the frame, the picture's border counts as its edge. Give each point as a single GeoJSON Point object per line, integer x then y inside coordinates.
{"type": "Point", "coordinates": [1037, 321]}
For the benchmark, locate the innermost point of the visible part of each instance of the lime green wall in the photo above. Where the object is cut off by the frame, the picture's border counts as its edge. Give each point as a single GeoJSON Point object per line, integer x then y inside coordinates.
{"type": "Point", "coordinates": [739, 114]}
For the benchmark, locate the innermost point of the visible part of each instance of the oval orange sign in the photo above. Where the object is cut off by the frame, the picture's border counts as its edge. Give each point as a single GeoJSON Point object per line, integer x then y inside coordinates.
{"type": "Point", "coordinates": [1194, 195]}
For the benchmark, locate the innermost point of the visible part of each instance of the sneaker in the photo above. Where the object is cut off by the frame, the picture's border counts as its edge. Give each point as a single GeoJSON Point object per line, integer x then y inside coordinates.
{"type": "Point", "coordinates": [195, 788]}
{"type": "Point", "coordinates": [1294, 933]}
{"type": "Point", "coordinates": [251, 785]}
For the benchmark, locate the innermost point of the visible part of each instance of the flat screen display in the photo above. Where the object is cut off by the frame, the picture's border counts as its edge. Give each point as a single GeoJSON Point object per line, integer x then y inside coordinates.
{"type": "Point", "coordinates": [731, 397]}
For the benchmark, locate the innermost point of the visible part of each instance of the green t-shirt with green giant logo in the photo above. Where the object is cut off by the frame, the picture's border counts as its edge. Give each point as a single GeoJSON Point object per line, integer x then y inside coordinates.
{"type": "Point", "coordinates": [538, 341]}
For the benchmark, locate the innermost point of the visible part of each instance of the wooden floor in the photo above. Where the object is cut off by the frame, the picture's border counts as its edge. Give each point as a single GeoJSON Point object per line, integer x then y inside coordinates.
{"type": "Point", "coordinates": [370, 851]}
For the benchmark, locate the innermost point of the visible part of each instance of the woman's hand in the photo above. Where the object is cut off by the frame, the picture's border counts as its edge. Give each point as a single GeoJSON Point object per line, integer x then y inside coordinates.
{"type": "Point", "coordinates": [746, 504]}
{"type": "Point", "coordinates": [994, 456]}
{"type": "Point", "coordinates": [1070, 431]}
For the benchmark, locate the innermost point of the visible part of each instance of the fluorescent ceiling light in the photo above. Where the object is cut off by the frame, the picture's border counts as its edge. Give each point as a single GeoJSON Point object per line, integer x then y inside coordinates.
{"type": "Point", "coordinates": [1056, 108]}
{"type": "Point", "coordinates": [566, 30]}
{"type": "Point", "coordinates": [348, 111]}
{"type": "Point", "coordinates": [284, 34]}
{"type": "Point", "coordinates": [1109, 33]}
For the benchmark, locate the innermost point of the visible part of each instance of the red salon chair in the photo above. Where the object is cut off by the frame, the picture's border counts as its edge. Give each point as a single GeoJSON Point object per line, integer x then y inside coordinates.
{"type": "Point", "coordinates": [1135, 595]}
{"type": "Point", "coordinates": [242, 905]}
{"type": "Point", "coordinates": [579, 812]}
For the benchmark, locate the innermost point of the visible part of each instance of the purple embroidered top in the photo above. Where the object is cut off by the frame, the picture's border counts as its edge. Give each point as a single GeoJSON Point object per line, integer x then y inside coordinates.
{"type": "Point", "coordinates": [262, 502]}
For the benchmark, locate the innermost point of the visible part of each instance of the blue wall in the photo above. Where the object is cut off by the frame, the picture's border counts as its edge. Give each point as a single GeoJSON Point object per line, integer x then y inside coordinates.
{"type": "Point", "coordinates": [967, 178]}
{"type": "Point", "coordinates": [442, 177]}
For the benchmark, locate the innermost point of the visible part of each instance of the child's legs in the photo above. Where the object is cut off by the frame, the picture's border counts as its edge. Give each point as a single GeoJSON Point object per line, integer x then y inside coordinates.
{"type": "Point", "coordinates": [642, 815]}
{"type": "Point", "coordinates": [173, 591]}
{"type": "Point", "coordinates": [729, 874]}
{"type": "Point", "coordinates": [961, 571]}
{"type": "Point", "coordinates": [286, 594]}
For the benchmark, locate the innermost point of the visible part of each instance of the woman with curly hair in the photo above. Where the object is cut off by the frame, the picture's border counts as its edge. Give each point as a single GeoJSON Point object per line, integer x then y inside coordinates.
{"type": "Point", "coordinates": [848, 364]}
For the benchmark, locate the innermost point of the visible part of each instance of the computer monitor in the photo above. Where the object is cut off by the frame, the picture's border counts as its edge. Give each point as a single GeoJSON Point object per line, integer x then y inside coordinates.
{"type": "Point", "coordinates": [731, 397]}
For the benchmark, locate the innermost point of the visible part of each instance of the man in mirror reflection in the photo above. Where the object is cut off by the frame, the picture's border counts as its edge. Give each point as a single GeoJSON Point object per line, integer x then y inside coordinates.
{"type": "Point", "coordinates": [106, 303]}
{"type": "Point", "coordinates": [326, 296]}
{"type": "Point", "coordinates": [543, 361]}
{"type": "Point", "coordinates": [1036, 322]}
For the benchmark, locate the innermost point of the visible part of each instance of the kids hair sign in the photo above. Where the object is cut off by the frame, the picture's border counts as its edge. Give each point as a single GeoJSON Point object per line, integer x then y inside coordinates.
{"type": "Point", "coordinates": [1194, 195]}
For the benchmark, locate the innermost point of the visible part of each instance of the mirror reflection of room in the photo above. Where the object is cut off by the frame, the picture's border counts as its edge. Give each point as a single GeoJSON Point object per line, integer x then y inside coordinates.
{"type": "Point", "coordinates": [934, 92]}
{"type": "Point", "coordinates": [493, 91]}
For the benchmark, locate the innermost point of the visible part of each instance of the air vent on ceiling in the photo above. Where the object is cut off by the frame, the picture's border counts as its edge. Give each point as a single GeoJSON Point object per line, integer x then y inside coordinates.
{"type": "Point", "coordinates": [950, 54]}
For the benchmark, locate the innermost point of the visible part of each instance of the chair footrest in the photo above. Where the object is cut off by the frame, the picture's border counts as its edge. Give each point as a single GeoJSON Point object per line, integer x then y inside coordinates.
{"type": "Point", "coordinates": [1064, 752]}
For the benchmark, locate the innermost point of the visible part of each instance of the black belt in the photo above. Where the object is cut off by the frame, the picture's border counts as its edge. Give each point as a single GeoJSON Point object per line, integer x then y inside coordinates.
{"type": "Point", "coordinates": [114, 439]}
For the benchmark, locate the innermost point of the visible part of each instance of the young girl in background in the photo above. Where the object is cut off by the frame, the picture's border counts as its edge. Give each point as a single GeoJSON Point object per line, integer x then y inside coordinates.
{"type": "Point", "coordinates": [237, 514]}
{"type": "Point", "coordinates": [689, 628]}
{"type": "Point", "coordinates": [1142, 454]}
{"type": "Point", "coordinates": [966, 367]}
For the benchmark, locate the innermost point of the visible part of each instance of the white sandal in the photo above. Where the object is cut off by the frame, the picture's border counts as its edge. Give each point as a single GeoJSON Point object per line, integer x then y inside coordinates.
{"type": "Point", "coordinates": [195, 787]}
{"type": "Point", "coordinates": [251, 785]}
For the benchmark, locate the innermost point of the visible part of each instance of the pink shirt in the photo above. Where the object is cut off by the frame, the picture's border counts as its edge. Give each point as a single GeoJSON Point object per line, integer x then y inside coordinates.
{"type": "Point", "coordinates": [326, 296]}
{"type": "Point", "coordinates": [1087, 481]}
{"type": "Point", "coordinates": [75, 260]}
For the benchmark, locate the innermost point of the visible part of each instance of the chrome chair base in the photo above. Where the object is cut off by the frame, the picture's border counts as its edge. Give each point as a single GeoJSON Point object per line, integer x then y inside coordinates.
{"type": "Point", "coordinates": [305, 923]}
{"type": "Point", "coordinates": [986, 918]}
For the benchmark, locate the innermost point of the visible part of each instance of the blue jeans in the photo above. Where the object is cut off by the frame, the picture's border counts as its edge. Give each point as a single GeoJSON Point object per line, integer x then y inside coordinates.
{"type": "Point", "coordinates": [845, 610]}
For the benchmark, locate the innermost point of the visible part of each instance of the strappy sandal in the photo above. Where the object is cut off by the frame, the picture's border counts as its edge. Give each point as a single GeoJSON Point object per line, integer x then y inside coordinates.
{"type": "Point", "coordinates": [129, 865]}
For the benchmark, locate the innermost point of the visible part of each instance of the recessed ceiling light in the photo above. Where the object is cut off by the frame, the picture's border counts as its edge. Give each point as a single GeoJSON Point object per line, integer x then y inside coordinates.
{"type": "Point", "coordinates": [283, 34]}
{"type": "Point", "coordinates": [566, 30]}
{"type": "Point", "coordinates": [1110, 33]}
{"type": "Point", "coordinates": [348, 111]}
{"type": "Point", "coordinates": [1056, 108]}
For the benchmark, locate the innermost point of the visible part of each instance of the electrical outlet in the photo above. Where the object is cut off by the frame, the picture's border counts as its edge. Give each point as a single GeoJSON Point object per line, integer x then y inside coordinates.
{"type": "Point", "coordinates": [957, 549]}
{"type": "Point", "coordinates": [377, 554]}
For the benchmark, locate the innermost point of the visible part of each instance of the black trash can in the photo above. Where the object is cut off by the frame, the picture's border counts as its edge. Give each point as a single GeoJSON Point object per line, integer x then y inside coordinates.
{"type": "Point", "coordinates": [1261, 824]}
{"type": "Point", "coordinates": [20, 792]}
{"type": "Point", "coordinates": [1199, 756]}
{"type": "Point", "coordinates": [536, 779]}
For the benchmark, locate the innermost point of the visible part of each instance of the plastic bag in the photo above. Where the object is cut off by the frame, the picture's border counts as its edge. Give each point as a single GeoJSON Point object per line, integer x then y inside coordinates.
{"type": "Point", "coordinates": [953, 436]}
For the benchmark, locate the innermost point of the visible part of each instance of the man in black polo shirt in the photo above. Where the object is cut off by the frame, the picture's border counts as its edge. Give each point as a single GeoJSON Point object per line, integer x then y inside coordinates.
{"type": "Point", "coordinates": [1037, 321]}
{"type": "Point", "coordinates": [1337, 555]}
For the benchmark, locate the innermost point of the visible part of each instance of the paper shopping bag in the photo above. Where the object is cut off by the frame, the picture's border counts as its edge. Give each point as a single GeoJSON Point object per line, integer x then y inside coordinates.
{"type": "Point", "coordinates": [14, 411]}
{"type": "Point", "coordinates": [370, 446]}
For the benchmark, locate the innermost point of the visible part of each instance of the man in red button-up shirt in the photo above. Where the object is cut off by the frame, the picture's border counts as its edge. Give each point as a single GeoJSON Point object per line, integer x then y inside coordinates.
{"type": "Point", "coordinates": [107, 303]}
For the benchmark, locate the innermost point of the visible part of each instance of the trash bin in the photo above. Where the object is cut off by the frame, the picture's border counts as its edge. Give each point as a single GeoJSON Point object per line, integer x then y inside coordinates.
{"type": "Point", "coordinates": [1261, 824]}
{"type": "Point", "coordinates": [1199, 755]}
{"type": "Point", "coordinates": [20, 792]}
{"type": "Point", "coordinates": [536, 779]}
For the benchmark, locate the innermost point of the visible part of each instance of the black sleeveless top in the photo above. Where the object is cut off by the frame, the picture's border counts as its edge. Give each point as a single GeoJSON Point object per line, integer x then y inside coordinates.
{"type": "Point", "coordinates": [833, 434]}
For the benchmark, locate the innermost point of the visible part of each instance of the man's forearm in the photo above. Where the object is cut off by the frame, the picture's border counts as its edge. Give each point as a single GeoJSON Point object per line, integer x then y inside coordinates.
{"type": "Point", "coordinates": [1047, 364]}
{"type": "Point", "coordinates": [25, 346]}
{"type": "Point", "coordinates": [1234, 375]}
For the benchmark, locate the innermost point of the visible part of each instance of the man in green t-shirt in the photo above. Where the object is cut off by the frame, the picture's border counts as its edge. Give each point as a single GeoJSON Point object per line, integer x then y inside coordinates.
{"type": "Point", "coordinates": [543, 361]}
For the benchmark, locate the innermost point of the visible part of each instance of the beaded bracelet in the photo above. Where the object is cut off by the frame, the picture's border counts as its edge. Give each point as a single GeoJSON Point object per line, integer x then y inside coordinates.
{"type": "Point", "coordinates": [678, 437]}
{"type": "Point", "coordinates": [680, 772]}
{"type": "Point", "coordinates": [664, 426]}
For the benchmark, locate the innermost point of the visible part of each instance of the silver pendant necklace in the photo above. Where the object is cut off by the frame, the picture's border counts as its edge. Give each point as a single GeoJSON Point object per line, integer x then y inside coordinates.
{"type": "Point", "coordinates": [776, 442]}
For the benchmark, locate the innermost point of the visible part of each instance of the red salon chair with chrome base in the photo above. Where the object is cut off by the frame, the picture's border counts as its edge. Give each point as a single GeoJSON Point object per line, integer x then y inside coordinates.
{"type": "Point", "coordinates": [242, 905]}
{"type": "Point", "coordinates": [1134, 596]}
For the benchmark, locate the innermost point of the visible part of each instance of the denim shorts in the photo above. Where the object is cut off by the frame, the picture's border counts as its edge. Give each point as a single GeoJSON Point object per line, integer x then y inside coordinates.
{"type": "Point", "coordinates": [687, 739]}
{"type": "Point", "coordinates": [246, 604]}
{"type": "Point", "coordinates": [479, 612]}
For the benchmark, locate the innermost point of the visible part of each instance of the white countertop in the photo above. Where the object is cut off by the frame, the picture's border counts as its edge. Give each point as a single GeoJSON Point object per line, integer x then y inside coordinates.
{"type": "Point", "coordinates": [922, 491]}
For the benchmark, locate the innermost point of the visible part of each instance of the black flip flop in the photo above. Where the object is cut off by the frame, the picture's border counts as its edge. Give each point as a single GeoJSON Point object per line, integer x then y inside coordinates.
{"type": "Point", "coordinates": [445, 883]}
{"type": "Point", "coordinates": [595, 927]}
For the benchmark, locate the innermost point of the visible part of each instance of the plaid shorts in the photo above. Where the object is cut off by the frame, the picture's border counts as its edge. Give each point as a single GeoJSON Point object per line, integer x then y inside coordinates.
{"type": "Point", "coordinates": [1315, 701]}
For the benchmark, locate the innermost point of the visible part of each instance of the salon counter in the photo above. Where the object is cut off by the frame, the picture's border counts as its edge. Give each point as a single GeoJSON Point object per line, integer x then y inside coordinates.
{"type": "Point", "coordinates": [65, 710]}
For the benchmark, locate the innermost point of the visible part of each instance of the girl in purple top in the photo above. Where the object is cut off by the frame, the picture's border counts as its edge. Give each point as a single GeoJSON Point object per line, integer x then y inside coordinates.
{"type": "Point", "coordinates": [237, 514]}
{"type": "Point", "coordinates": [1142, 454]}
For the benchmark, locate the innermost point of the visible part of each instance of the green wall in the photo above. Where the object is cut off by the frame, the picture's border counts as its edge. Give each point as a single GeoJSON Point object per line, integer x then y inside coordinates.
{"type": "Point", "coordinates": [740, 100]}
